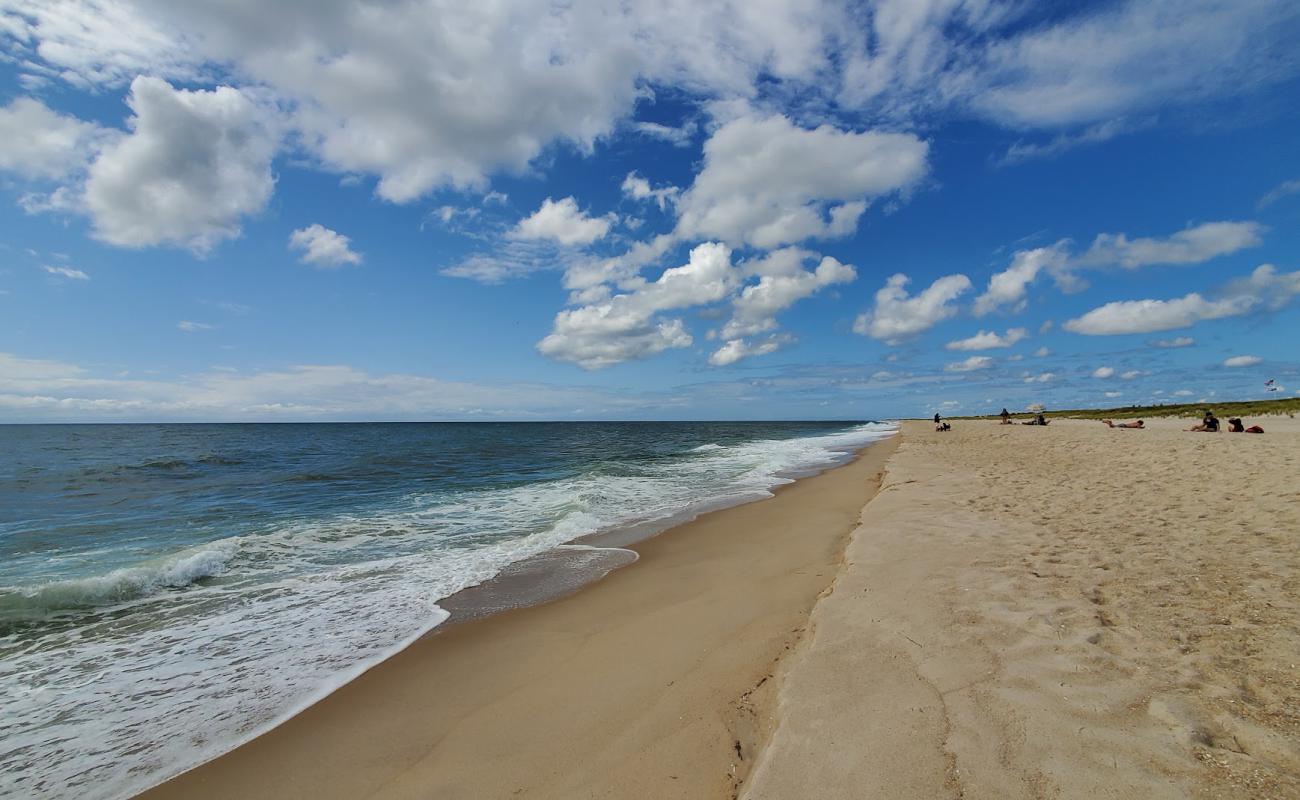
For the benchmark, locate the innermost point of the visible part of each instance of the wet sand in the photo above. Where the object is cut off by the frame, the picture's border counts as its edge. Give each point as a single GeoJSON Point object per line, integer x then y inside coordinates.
{"type": "Point", "coordinates": [653, 682]}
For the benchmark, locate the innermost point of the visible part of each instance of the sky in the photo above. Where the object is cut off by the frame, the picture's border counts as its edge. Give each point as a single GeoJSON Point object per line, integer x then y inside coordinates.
{"type": "Point", "coordinates": [227, 210]}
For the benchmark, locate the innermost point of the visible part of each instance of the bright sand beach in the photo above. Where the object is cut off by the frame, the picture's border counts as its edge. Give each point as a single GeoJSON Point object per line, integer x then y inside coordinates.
{"type": "Point", "coordinates": [1070, 611]}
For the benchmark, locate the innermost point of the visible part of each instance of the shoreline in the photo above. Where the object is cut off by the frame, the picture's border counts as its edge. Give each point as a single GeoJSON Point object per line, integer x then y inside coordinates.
{"type": "Point", "coordinates": [483, 647]}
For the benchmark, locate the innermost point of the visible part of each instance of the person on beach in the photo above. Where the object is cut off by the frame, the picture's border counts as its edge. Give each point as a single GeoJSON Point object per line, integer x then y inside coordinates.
{"type": "Point", "coordinates": [1235, 426]}
{"type": "Point", "coordinates": [1038, 420]}
{"type": "Point", "coordinates": [939, 424]}
{"type": "Point", "coordinates": [1006, 417]}
{"type": "Point", "coordinates": [1112, 424]}
{"type": "Point", "coordinates": [1209, 423]}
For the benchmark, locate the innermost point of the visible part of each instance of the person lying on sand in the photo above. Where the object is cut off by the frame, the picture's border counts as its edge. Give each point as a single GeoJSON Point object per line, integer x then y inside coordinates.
{"type": "Point", "coordinates": [1112, 424]}
{"type": "Point", "coordinates": [1209, 423]}
{"type": "Point", "coordinates": [1038, 420]}
{"type": "Point", "coordinates": [1235, 426]}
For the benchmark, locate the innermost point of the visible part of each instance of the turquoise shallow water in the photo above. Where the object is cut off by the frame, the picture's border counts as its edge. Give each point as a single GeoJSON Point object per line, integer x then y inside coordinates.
{"type": "Point", "coordinates": [167, 591]}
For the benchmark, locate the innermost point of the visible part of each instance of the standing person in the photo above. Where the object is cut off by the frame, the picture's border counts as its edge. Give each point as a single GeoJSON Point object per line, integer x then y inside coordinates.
{"type": "Point", "coordinates": [1006, 417]}
{"type": "Point", "coordinates": [937, 418]}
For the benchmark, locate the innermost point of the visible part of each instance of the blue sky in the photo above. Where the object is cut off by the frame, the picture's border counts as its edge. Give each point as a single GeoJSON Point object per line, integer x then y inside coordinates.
{"type": "Point", "coordinates": [411, 210]}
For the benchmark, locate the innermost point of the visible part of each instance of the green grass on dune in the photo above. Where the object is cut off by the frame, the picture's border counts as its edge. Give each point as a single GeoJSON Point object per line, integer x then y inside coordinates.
{"type": "Point", "coordinates": [1289, 406]}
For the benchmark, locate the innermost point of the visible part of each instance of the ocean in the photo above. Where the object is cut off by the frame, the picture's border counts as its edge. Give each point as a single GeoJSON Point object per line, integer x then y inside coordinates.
{"type": "Point", "coordinates": [169, 591]}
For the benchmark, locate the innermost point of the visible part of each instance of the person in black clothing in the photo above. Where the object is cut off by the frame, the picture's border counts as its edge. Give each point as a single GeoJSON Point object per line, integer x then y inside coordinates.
{"type": "Point", "coordinates": [1006, 417]}
{"type": "Point", "coordinates": [1209, 423]}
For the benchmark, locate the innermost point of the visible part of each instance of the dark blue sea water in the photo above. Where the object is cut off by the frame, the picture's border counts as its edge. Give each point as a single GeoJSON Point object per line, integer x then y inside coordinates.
{"type": "Point", "coordinates": [168, 591]}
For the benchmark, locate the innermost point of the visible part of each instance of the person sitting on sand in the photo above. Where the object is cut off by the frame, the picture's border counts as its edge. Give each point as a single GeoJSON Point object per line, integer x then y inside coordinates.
{"type": "Point", "coordinates": [1006, 417]}
{"type": "Point", "coordinates": [1112, 424]}
{"type": "Point", "coordinates": [1209, 423]}
{"type": "Point", "coordinates": [1235, 426]}
{"type": "Point", "coordinates": [1038, 420]}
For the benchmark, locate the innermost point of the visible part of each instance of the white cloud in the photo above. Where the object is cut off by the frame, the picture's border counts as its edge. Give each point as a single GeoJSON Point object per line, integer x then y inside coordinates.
{"type": "Point", "coordinates": [1283, 189]}
{"type": "Point", "coordinates": [1263, 288]}
{"type": "Point", "coordinates": [322, 247]}
{"type": "Point", "coordinates": [1242, 361]}
{"type": "Point", "coordinates": [987, 340]}
{"type": "Point", "coordinates": [1177, 341]}
{"type": "Point", "coordinates": [1008, 288]}
{"type": "Point", "coordinates": [1022, 151]}
{"type": "Point", "coordinates": [1044, 377]}
{"type": "Point", "coordinates": [638, 188]}
{"type": "Point", "coordinates": [1112, 394]}
{"type": "Point", "coordinates": [190, 326]}
{"type": "Point", "coordinates": [971, 364]}
{"type": "Point", "coordinates": [627, 327]}
{"type": "Point", "coordinates": [1146, 316]}
{"type": "Point", "coordinates": [897, 316]}
{"type": "Point", "coordinates": [1184, 393]}
{"type": "Point", "coordinates": [67, 272]}
{"type": "Point", "coordinates": [1042, 352]}
{"type": "Point", "coordinates": [1103, 372]}
{"type": "Point", "coordinates": [1190, 246]}
{"type": "Point", "coordinates": [1132, 374]}
{"type": "Point", "coordinates": [736, 349]}
{"type": "Point", "coordinates": [37, 143]}
{"type": "Point", "coordinates": [767, 182]}
{"type": "Point", "coordinates": [194, 164]}
{"type": "Point", "coordinates": [562, 221]}
{"type": "Point", "coordinates": [680, 136]}
{"type": "Point", "coordinates": [783, 282]}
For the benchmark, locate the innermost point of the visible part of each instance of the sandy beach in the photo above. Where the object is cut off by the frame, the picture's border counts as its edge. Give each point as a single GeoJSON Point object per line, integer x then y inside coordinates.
{"type": "Point", "coordinates": [654, 682]}
{"type": "Point", "coordinates": [1070, 611]}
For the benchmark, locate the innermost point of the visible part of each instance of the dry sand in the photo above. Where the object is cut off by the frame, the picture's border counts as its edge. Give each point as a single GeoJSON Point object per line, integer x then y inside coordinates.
{"type": "Point", "coordinates": [1069, 611]}
{"type": "Point", "coordinates": [651, 683]}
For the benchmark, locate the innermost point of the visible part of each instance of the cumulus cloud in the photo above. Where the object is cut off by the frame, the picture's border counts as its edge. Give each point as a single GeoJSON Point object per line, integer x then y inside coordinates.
{"type": "Point", "coordinates": [1190, 246]}
{"type": "Point", "coordinates": [1132, 374]}
{"type": "Point", "coordinates": [562, 221]}
{"type": "Point", "coordinates": [971, 364]}
{"type": "Point", "coordinates": [322, 247]}
{"type": "Point", "coordinates": [736, 349]}
{"type": "Point", "coordinates": [66, 272]}
{"type": "Point", "coordinates": [1177, 341]}
{"type": "Point", "coordinates": [782, 282]}
{"type": "Point", "coordinates": [1103, 372]}
{"type": "Point", "coordinates": [896, 316]}
{"type": "Point", "coordinates": [627, 327]}
{"type": "Point", "coordinates": [194, 164]}
{"type": "Point", "coordinates": [37, 143]}
{"type": "Point", "coordinates": [1007, 289]}
{"type": "Point", "coordinates": [767, 182]}
{"type": "Point", "coordinates": [1042, 352]}
{"type": "Point", "coordinates": [987, 340]}
{"type": "Point", "coordinates": [1042, 377]}
{"type": "Point", "coordinates": [1265, 288]}
{"type": "Point", "coordinates": [638, 188]}
{"type": "Point", "coordinates": [1242, 361]}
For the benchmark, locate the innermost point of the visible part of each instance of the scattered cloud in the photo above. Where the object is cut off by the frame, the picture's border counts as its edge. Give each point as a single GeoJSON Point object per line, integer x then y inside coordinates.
{"type": "Point", "coordinates": [1042, 377]}
{"type": "Point", "coordinates": [1283, 189]}
{"type": "Point", "coordinates": [66, 272]}
{"type": "Point", "coordinates": [987, 340]}
{"type": "Point", "coordinates": [1007, 289]}
{"type": "Point", "coordinates": [680, 136]}
{"type": "Point", "coordinates": [322, 247]}
{"type": "Point", "coordinates": [638, 188]}
{"type": "Point", "coordinates": [1132, 374]}
{"type": "Point", "coordinates": [1042, 352]}
{"type": "Point", "coordinates": [1022, 151]}
{"type": "Point", "coordinates": [971, 364]}
{"type": "Point", "coordinates": [767, 182]}
{"type": "Point", "coordinates": [1112, 394]}
{"type": "Point", "coordinates": [1103, 372]}
{"type": "Point", "coordinates": [736, 349]}
{"type": "Point", "coordinates": [1242, 361]}
{"type": "Point", "coordinates": [1192, 245]}
{"type": "Point", "coordinates": [1264, 288]}
{"type": "Point", "coordinates": [190, 326]}
{"type": "Point", "coordinates": [896, 316]}
{"type": "Point", "coordinates": [1177, 341]}
{"type": "Point", "coordinates": [563, 222]}
{"type": "Point", "coordinates": [627, 327]}
{"type": "Point", "coordinates": [37, 143]}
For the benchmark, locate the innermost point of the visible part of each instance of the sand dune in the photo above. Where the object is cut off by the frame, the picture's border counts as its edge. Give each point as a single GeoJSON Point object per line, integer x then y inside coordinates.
{"type": "Point", "coordinates": [1070, 611]}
